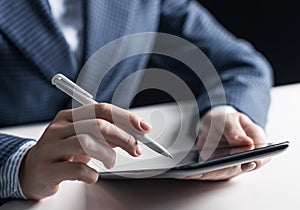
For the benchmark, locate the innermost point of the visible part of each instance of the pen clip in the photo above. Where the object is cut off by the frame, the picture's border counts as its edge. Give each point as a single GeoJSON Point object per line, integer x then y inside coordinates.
{"type": "Point", "coordinates": [66, 85]}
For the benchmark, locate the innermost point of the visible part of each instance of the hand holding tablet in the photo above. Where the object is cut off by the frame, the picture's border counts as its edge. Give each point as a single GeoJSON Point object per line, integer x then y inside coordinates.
{"type": "Point", "coordinates": [236, 153]}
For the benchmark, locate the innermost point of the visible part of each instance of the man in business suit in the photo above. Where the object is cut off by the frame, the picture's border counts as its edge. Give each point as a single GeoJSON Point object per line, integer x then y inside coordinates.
{"type": "Point", "coordinates": [39, 39]}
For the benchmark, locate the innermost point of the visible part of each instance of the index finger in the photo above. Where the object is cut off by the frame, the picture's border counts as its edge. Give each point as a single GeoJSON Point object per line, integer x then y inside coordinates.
{"type": "Point", "coordinates": [122, 118]}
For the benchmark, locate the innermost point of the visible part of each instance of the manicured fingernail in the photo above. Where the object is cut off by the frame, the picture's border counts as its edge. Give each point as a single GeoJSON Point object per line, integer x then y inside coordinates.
{"type": "Point", "coordinates": [198, 176]}
{"type": "Point", "coordinates": [138, 150]}
{"type": "Point", "coordinates": [250, 167]}
{"type": "Point", "coordinates": [144, 125]}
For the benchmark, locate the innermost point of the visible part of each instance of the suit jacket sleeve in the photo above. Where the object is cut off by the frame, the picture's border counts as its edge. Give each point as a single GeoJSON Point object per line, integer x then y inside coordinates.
{"type": "Point", "coordinates": [12, 151]}
{"type": "Point", "coordinates": [9, 145]}
{"type": "Point", "coordinates": [245, 73]}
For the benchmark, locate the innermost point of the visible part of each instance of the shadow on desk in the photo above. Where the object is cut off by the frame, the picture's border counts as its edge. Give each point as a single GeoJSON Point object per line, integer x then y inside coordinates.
{"type": "Point", "coordinates": [167, 194]}
{"type": "Point", "coordinates": [150, 194]}
{"type": "Point", "coordinates": [18, 204]}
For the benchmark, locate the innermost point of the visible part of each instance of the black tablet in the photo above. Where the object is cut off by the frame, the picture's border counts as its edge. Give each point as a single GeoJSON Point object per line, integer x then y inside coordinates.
{"type": "Point", "coordinates": [193, 163]}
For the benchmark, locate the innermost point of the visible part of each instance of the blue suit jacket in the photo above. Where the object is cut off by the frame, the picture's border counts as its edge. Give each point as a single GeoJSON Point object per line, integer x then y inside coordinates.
{"type": "Point", "coordinates": [33, 49]}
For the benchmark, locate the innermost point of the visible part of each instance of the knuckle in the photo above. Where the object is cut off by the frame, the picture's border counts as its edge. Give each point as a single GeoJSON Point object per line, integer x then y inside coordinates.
{"type": "Point", "coordinates": [206, 120]}
{"type": "Point", "coordinates": [110, 158]}
{"type": "Point", "coordinates": [230, 117]}
{"type": "Point", "coordinates": [85, 141]}
{"type": "Point", "coordinates": [232, 132]}
{"type": "Point", "coordinates": [81, 171]}
{"type": "Point", "coordinates": [82, 137]}
{"type": "Point", "coordinates": [54, 127]}
{"type": "Point", "coordinates": [51, 127]}
{"type": "Point", "coordinates": [130, 141]}
{"type": "Point", "coordinates": [84, 173]}
{"type": "Point", "coordinates": [62, 114]}
{"type": "Point", "coordinates": [103, 107]}
{"type": "Point", "coordinates": [130, 145]}
{"type": "Point", "coordinates": [242, 115]}
{"type": "Point", "coordinates": [103, 126]}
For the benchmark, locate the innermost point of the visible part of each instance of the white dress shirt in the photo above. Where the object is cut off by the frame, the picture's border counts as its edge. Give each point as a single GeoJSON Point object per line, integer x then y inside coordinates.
{"type": "Point", "coordinates": [69, 15]}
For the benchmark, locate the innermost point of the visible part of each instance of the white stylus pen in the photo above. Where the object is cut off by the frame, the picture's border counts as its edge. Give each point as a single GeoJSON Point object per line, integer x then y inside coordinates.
{"type": "Point", "coordinates": [83, 97]}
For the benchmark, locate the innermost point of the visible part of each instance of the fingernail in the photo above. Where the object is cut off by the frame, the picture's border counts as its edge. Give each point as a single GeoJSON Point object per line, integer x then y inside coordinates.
{"type": "Point", "coordinates": [144, 125]}
{"type": "Point", "coordinates": [198, 176]}
{"type": "Point", "coordinates": [138, 150]}
{"type": "Point", "coordinates": [250, 167]}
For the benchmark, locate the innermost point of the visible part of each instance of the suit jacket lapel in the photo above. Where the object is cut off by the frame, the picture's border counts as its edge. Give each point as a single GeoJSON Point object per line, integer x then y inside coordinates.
{"type": "Point", "coordinates": [106, 20]}
{"type": "Point", "coordinates": [104, 23]}
{"type": "Point", "coordinates": [30, 26]}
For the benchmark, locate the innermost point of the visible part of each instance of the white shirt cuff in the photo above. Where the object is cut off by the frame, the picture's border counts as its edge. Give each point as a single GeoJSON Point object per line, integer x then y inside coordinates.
{"type": "Point", "coordinates": [226, 109]}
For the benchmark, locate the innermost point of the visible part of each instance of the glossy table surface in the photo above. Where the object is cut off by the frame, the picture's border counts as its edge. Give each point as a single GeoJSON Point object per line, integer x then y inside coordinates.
{"type": "Point", "coordinates": [276, 186]}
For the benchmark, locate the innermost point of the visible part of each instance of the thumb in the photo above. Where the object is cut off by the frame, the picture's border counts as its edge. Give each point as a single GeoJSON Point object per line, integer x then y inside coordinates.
{"type": "Point", "coordinates": [234, 132]}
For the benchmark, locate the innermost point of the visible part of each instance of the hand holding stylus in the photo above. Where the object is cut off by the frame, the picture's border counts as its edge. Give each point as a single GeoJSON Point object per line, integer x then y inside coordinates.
{"type": "Point", "coordinates": [85, 98]}
{"type": "Point", "coordinates": [66, 146]}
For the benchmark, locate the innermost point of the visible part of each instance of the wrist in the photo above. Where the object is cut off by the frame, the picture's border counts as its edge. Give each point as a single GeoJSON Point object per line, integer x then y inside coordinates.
{"type": "Point", "coordinates": [26, 175]}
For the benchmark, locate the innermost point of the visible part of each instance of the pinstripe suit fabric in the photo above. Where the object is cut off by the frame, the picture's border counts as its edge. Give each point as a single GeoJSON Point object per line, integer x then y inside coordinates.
{"type": "Point", "coordinates": [32, 50]}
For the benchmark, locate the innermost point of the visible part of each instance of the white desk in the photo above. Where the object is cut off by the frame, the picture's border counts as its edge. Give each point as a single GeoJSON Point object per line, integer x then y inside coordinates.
{"type": "Point", "coordinates": [275, 186]}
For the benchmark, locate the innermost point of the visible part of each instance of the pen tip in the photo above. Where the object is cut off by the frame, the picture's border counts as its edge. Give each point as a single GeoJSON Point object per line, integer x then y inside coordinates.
{"type": "Point", "coordinates": [170, 156]}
